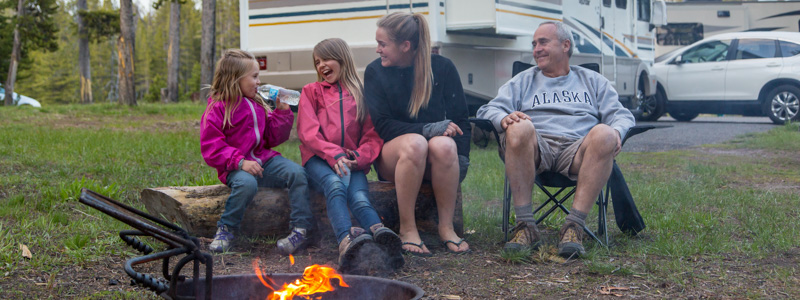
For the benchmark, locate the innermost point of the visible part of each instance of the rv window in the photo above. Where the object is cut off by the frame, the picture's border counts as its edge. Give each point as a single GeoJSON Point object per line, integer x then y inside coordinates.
{"type": "Point", "coordinates": [679, 34]}
{"type": "Point", "coordinates": [789, 49]}
{"type": "Point", "coordinates": [643, 6]}
{"type": "Point", "coordinates": [755, 48]}
{"type": "Point", "coordinates": [622, 4]}
{"type": "Point", "coordinates": [707, 52]}
{"type": "Point", "coordinates": [607, 3]}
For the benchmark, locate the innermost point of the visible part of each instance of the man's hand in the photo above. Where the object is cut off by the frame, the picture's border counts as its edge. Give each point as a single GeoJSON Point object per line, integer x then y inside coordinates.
{"type": "Point", "coordinates": [252, 167]}
{"type": "Point", "coordinates": [512, 118]}
{"type": "Point", "coordinates": [619, 144]}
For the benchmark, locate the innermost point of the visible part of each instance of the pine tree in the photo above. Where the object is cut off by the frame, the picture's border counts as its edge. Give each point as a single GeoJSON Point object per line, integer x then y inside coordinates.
{"type": "Point", "coordinates": [127, 87]}
{"type": "Point", "coordinates": [207, 46]}
{"type": "Point", "coordinates": [33, 28]}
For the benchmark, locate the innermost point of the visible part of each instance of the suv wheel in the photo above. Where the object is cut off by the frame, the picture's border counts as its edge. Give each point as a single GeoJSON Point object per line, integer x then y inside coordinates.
{"type": "Point", "coordinates": [653, 107]}
{"type": "Point", "coordinates": [782, 104]}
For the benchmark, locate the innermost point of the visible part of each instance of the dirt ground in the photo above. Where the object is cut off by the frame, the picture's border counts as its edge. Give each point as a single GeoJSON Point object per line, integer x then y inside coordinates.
{"type": "Point", "coordinates": [481, 274]}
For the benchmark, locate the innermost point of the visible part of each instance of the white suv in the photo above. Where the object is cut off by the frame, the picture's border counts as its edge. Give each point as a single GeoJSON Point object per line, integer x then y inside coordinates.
{"type": "Point", "coordinates": [747, 73]}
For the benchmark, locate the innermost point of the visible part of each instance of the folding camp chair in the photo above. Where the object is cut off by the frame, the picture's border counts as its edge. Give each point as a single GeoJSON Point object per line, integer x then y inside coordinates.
{"type": "Point", "coordinates": [567, 186]}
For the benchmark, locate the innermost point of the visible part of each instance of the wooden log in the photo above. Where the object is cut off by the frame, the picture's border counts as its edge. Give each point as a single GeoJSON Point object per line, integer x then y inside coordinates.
{"type": "Point", "coordinates": [198, 208]}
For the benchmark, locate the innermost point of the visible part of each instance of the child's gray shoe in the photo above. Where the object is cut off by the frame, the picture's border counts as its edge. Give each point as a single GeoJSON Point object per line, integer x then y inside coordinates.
{"type": "Point", "coordinates": [296, 240]}
{"type": "Point", "coordinates": [223, 240]}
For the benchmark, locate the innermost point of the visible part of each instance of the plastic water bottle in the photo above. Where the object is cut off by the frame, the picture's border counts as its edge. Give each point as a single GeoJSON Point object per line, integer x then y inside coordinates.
{"type": "Point", "coordinates": [346, 177]}
{"type": "Point", "coordinates": [287, 96]}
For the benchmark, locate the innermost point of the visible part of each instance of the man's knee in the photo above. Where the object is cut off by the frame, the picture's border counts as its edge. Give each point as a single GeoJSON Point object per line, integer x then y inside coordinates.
{"type": "Point", "coordinates": [603, 137]}
{"type": "Point", "coordinates": [520, 134]}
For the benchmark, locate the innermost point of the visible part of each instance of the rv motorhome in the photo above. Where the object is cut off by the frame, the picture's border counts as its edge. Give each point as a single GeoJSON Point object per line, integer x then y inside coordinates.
{"type": "Point", "coordinates": [689, 22]}
{"type": "Point", "coordinates": [482, 37]}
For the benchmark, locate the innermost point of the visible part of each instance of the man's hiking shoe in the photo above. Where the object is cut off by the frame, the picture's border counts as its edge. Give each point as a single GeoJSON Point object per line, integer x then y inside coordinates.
{"type": "Point", "coordinates": [390, 243]}
{"type": "Point", "coordinates": [223, 240]}
{"type": "Point", "coordinates": [348, 247]}
{"type": "Point", "coordinates": [296, 240]}
{"type": "Point", "coordinates": [570, 243]}
{"type": "Point", "coordinates": [524, 236]}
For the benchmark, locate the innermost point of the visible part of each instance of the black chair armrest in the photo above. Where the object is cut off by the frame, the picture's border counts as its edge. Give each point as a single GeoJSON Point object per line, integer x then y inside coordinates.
{"type": "Point", "coordinates": [639, 129]}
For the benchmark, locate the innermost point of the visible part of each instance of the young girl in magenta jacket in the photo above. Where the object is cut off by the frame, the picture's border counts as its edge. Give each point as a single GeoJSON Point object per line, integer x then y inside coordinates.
{"type": "Point", "coordinates": [237, 133]}
{"type": "Point", "coordinates": [338, 140]}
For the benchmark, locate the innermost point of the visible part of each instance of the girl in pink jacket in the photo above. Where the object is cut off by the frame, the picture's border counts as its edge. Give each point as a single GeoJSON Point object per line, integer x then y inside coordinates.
{"type": "Point", "coordinates": [237, 132]}
{"type": "Point", "coordinates": [338, 146]}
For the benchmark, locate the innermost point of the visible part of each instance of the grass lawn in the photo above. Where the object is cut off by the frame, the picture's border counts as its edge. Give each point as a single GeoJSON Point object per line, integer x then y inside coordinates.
{"type": "Point", "coordinates": [706, 208]}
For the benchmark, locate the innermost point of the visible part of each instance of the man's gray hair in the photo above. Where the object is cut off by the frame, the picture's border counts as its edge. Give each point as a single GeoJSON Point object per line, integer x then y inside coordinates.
{"type": "Point", "coordinates": [563, 33]}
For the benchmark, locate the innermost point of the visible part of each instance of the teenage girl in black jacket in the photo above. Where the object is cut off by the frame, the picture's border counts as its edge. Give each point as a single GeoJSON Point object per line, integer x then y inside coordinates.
{"type": "Point", "coordinates": [417, 105]}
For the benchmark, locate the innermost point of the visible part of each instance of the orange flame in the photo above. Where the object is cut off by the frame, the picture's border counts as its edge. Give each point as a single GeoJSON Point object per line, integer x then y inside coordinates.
{"type": "Point", "coordinates": [261, 276]}
{"type": "Point", "coordinates": [316, 279]}
{"type": "Point", "coordinates": [291, 259]}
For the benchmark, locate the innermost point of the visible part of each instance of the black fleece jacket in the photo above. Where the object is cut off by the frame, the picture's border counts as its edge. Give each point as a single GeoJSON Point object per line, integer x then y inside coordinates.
{"type": "Point", "coordinates": [387, 91]}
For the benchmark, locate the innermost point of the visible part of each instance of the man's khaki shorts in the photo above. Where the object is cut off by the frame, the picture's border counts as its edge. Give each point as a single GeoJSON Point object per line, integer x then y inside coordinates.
{"type": "Point", "coordinates": [556, 153]}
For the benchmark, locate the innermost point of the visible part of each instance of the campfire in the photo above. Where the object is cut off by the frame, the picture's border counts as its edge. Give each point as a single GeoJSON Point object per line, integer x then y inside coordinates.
{"type": "Point", "coordinates": [316, 279]}
{"type": "Point", "coordinates": [314, 283]}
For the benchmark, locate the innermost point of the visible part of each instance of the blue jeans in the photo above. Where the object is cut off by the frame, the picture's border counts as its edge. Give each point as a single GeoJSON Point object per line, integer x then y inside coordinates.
{"type": "Point", "coordinates": [356, 197]}
{"type": "Point", "coordinates": [279, 172]}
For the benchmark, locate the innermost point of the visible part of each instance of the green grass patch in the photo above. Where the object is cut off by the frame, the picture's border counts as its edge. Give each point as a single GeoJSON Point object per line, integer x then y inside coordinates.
{"type": "Point", "coordinates": [700, 203]}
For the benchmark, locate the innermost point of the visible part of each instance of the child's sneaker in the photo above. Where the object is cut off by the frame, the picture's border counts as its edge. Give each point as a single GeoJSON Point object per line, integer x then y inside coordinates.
{"type": "Point", "coordinates": [390, 243]}
{"type": "Point", "coordinates": [223, 240]}
{"type": "Point", "coordinates": [348, 247]}
{"type": "Point", "coordinates": [294, 241]}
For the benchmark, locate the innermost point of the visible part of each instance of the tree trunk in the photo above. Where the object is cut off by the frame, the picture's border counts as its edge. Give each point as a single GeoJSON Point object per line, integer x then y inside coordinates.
{"type": "Point", "coordinates": [15, 50]}
{"type": "Point", "coordinates": [173, 53]}
{"type": "Point", "coordinates": [198, 208]}
{"type": "Point", "coordinates": [84, 58]}
{"type": "Point", "coordinates": [125, 53]}
{"type": "Point", "coordinates": [207, 46]}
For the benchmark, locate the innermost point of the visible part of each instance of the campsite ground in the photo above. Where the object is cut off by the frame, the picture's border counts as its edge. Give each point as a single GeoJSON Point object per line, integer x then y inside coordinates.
{"type": "Point", "coordinates": [721, 218]}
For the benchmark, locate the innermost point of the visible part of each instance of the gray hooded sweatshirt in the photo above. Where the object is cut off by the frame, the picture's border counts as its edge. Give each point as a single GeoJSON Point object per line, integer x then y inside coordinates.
{"type": "Point", "coordinates": [566, 106]}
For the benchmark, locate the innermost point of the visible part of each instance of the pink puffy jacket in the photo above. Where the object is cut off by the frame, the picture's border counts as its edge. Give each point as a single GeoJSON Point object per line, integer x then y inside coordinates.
{"type": "Point", "coordinates": [327, 126]}
{"type": "Point", "coordinates": [251, 137]}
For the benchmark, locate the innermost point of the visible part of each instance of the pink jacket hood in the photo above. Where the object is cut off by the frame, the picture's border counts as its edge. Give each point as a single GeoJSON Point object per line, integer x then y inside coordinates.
{"type": "Point", "coordinates": [327, 126]}
{"type": "Point", "coordinates": [251, 137]}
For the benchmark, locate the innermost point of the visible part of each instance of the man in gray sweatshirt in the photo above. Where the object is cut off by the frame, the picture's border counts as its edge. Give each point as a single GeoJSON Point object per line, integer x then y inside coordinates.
{"type": "Point", "coordinates": [561, 118]}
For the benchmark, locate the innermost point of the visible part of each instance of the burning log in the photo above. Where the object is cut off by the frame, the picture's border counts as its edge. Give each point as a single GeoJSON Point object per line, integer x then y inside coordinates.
{"type": "Point", "coordinates": [198, 208]}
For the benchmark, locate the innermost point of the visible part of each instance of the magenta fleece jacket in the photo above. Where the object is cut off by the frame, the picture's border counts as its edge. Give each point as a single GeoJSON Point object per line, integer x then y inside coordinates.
{"type": "Point", "coordinates": [251, 137]}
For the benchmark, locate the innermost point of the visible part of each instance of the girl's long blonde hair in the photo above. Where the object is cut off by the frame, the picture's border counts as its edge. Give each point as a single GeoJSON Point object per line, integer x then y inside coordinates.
{"type": "Point", "coordinates": [234, 65]}
{"type": "Point", "coordinates": [337, 49]}
{"type": "Point", "coordinates": [401, 27]}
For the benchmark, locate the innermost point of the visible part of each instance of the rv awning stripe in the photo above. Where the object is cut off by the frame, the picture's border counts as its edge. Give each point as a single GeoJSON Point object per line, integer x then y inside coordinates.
{"type": "Point", "coordinates": [527, 15]}
{"type": "Point", "coordinates": [337, 11]}
{"type": "Point", "coordinates": [325, 20]}
{"type": "Point", "coordinates": [531, 7]}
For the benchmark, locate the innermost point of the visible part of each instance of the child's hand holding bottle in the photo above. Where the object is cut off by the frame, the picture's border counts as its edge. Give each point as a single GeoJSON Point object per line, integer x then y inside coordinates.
{"type": "Point", "coordinates": [280, 104]}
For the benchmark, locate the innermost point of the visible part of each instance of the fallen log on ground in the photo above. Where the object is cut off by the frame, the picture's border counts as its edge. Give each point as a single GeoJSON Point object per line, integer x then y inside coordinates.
{"type": "Point", "coordinates": [198, 208]}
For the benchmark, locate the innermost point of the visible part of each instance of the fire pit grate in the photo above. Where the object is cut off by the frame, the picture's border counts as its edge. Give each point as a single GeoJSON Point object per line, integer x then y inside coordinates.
{"type": "Point", "coordinates": [179, 242]}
